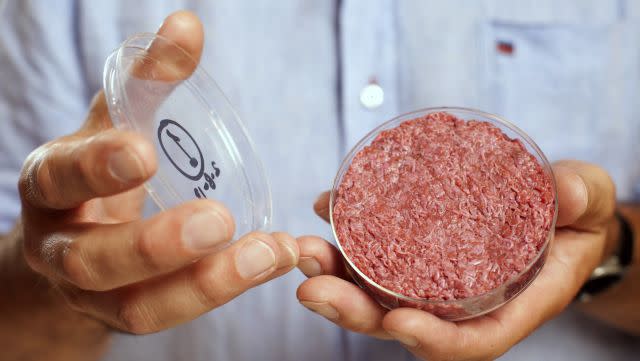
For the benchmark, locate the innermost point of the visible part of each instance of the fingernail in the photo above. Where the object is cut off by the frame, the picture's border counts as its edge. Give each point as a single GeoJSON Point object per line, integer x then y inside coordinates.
{"type": "Point", "coordinates": [309, 266]}
{"type": "Point", "coordinates": [204, 230]}
{"type": "Point", "coordinates": [404, 339]}
{"type": "Point", "coordinates": [254, 259]}
{"type": "Point", "coordinates": [324, 309]}
{"type": "Point", "coordinates": [125, 166]}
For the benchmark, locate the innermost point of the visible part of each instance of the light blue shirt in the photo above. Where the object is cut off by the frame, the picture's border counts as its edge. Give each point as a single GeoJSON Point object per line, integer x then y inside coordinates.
{"type": "Point", "coordinates": [294, 70]}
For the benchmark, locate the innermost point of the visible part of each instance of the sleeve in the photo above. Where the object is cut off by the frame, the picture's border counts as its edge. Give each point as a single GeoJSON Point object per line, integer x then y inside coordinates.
{"type": "Point", "coordinates": [42, 91]}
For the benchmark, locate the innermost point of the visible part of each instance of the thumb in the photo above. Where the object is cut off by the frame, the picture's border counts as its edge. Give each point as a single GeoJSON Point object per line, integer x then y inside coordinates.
{"type": "Point", "coordinates": [175, 54]}
{"type": "Point", "coordinates": [321, 206]}
{"type": "Point", "coordinates": [586, 195]}
{"type": "Point", "coordinates": [152, 68]}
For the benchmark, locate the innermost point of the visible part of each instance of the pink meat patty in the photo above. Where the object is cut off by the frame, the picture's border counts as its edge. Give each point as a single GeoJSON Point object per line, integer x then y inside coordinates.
{"type": "Point", "coordinates": [441, 208]}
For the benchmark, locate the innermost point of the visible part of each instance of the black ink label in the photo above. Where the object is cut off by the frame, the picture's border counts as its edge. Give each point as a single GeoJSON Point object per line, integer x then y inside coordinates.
{"type": "Point", "coordinates": [185, 155]}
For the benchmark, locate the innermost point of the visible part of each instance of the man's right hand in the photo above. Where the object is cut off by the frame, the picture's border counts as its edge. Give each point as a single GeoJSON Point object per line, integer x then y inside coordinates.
{"type": "Point", "coordinates": [81, 227]}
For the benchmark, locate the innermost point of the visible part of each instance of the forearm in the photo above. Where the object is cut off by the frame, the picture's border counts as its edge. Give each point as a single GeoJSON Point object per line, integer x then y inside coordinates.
{"type": "Point", "coordinates": [619, 305]}
{"type": "Point", "coordinates": [36, 322]}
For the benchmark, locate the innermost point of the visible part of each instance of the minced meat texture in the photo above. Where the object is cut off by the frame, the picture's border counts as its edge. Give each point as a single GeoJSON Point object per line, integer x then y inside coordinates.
{"type": "Point", "coordinates": [442, 208]}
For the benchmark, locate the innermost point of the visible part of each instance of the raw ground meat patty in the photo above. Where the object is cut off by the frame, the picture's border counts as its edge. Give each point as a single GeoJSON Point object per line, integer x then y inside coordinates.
{"type": "Point", "coordinates": [441, 208]}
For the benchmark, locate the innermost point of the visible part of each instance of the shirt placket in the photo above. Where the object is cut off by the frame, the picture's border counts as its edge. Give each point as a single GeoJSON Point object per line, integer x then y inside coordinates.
{"type": "Point", "coordinates": [368, 61]}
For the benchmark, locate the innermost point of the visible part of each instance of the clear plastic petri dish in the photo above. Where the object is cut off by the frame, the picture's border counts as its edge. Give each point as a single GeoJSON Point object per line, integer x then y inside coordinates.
{"type": "Point", "coordinates": [453, 309]}
{"type": "Point", "coordinates": [155, 88]}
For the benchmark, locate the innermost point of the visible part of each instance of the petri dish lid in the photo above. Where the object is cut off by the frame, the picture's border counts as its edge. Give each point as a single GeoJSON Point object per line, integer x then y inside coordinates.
{"type": "Point", "coordinates": [154, 87]}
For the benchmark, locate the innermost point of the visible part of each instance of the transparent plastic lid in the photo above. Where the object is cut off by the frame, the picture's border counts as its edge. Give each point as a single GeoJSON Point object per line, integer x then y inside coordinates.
{"type": "Point", "coordinates": [203, 149]}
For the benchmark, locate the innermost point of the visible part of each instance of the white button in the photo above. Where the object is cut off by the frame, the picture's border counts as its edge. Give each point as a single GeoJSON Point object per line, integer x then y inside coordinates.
{"type": "Point", "coordinates": [372, 96]}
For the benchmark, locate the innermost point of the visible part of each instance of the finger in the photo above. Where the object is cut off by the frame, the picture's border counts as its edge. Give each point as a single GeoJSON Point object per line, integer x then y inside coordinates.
{"type": "Point", "coordinates": [487, 337]}
{"type": "Point", "coordinates": [165, 60]}
{"type": "Point", "coordinates": [343, 303]}
{"type": "Point", "coordinates": [111, 210]}
{"type": "Point", "coordinates": [98, 118]}
{"type": "Point", "coordinates": [321, 206]}
{"type": "Point", "coordinates": [105, 257]}
{"type": "Point", "coordinates": [586, 195]}
{"type": "Point", "coordinates": [319, 257]}
{"type": "Point", "coordinates": [166, 63]}
{"type": "Point", "coordinates": [200, 287]}
{"type": "Point", "coordinates": [430, 337]}
{"type": "Point", "coordinates": [65, 174]}
{"type": "Point", "coordinates": [135, 164]}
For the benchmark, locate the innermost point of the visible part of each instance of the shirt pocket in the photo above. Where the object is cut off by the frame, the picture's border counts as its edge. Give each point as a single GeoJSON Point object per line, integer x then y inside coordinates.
{"type": "Point", "coordinates": [549, 74]}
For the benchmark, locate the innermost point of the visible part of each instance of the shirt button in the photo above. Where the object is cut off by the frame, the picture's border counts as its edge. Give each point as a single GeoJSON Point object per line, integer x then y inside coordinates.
{"type": "Point", "coordinates": [372, 96]}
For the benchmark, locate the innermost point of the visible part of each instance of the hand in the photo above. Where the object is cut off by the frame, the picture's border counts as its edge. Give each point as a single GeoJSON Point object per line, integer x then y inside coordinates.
{"type": "Point", "coordinates": [81, 226]}
{"type": "Point", "coordinates": [585, 232]}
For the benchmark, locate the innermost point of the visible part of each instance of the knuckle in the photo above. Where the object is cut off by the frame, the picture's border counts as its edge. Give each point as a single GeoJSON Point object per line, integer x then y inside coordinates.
{"type": "Point", "coordinates": [26, 181]}
{"type": "Point", "coordinates": [47, 174]}
{"type": "Point", "coordinates": [83, 167]}
{"type": "Point", "coordinates": [206, 287]}
{"type": "Point", "coordinates": [76, 269]}
{"type": "Point", "coordinates": [36, 183]}
{"type": "Point", "coordinates": [144, 249]}
{"type": "Point", "coordinates": [44, 184]}
{"type": "Point", "coordinates": [31, 253]}
{"type": "Point", "coordinates": [28, 177]}
{"type": "Point", "coordinates": [74, 299]}
{"type": "Point", "coordinates": [132, 317]}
